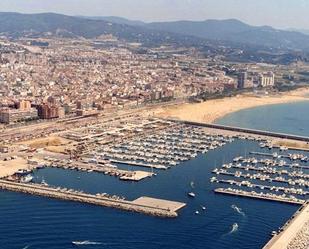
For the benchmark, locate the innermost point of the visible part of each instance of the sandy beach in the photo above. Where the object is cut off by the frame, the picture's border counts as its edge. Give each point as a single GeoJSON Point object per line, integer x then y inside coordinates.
{"type": "Point", "coordinates": [211, 110]}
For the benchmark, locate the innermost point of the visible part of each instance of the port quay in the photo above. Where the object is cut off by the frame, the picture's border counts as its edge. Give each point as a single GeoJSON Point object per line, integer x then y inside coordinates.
{"type": "Point", "coordinates": [150, 143]}
{"type": "Point", "coordinates": [146, 205]}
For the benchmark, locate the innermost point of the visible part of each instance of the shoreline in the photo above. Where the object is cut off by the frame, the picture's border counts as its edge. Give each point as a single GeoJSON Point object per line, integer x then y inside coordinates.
{"type": "Point", "coordinates": [261, 105]}
{"type": "Point", "coordinates": [211, 111]}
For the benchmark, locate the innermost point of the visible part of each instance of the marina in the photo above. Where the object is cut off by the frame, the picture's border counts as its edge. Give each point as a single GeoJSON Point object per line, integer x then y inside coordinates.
{"type": "Point", "coordinates": [154, 124]}
{"type": "Point", "coordinates": [163, 147]}
{"type": "Point", "coordinates": [249, 184]}
{"type": "Point", "coordinates": [159, 145]}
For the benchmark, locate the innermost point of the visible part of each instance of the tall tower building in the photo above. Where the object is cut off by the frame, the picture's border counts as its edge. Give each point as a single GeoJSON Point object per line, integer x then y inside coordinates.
{"type": "Point", "coordinates": [242, 80]}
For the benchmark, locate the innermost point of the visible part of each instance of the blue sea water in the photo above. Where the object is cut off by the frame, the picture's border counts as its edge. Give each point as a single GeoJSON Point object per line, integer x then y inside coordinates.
{"type": "Point", "coordinates": [289, 118]}
{"type": "Point", "coordinates": [37, 222]}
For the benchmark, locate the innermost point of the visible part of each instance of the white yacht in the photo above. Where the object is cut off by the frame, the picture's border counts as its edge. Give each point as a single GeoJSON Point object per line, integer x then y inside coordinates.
{"type": "Point", "coordinates": [26, 179]}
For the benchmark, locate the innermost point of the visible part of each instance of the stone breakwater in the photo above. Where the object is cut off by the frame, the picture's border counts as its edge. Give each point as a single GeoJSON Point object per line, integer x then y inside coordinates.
{"type": "Point", "coordinates": [294, 234]}
{"type": "Point", "coordinates": [301, 240]}
{"type": "Point", "coordinates": [160, 208]}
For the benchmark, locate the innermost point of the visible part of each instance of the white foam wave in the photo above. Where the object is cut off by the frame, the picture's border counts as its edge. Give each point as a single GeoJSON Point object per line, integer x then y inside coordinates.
{"type": "Point", "coordinates": [86, 242]}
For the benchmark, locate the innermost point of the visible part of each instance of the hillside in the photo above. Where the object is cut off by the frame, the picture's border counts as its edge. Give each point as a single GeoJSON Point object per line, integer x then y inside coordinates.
{"type": "Point", "coordinates": [236, 31]}
{"type": "Point", "coordinates": [16, 25]}
{"type": "Point", "coordinates": [212, 36]}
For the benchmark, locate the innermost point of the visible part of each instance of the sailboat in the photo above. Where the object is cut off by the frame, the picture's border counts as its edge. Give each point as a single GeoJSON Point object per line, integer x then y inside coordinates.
{"type": "Point", "coordinates": [26, 179]}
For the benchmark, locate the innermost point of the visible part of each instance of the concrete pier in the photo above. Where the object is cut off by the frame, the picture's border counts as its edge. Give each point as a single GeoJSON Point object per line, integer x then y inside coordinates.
{"type": "Point", "coordinates": [159, 203]}
{"type": "Point", "coordinates": [145, 165]}
{"type": "Point", "coordinates": [155, 207]}
{"type": "Point", "coordinates": [125, 175]}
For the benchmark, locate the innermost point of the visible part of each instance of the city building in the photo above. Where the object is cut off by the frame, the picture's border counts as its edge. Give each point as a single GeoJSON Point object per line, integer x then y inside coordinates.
{"type": "Point", "coordinates": [9, 116]}
{"type": "Point", "coordinates": [267, 79]}
{"type": "Point", "coordinates": [48, 111]}
{"type": "Point", "coordinates": [83, 104]}
{"type": "Point", "coordinates": [242, 80]}
{"type": "Point", "coordinates": [24, 105]}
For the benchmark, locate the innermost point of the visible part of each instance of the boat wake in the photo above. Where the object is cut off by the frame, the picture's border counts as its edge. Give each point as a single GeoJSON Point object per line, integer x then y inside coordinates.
{"type": "Point", "coordinates": [86, 242]}
{"type": "Point", "coordinates": [26, 247]}
{"type": "Point", "coordinates": [238, 210]}
{"type": "Point", "coordinates": [192, 184]}
{"type": "Point", "coordinates": [234, 228]}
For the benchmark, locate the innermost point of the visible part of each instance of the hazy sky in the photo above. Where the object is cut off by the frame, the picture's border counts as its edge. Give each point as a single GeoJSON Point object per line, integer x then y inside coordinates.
{"type": "Point", "coordinates": [277, 13]}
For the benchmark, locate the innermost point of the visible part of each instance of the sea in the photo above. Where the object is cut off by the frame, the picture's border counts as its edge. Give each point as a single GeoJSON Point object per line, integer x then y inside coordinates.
{"type": "Point", "coordinates": [31, 222]}
{"type": "Point", "coordinates": [291, 118]}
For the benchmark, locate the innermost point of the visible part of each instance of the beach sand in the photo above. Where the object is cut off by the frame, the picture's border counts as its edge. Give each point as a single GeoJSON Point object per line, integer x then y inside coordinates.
{"type": "Point", "coordinates": [211, 110]}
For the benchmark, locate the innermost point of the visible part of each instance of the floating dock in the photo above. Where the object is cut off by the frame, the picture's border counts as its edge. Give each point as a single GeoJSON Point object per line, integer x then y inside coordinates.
{"type": "Point", "coordinates": [145, 205]}
{"type": "Point", "coordinates": [262, 196]}
{"type": "Point", "coordinates": [266, 187]}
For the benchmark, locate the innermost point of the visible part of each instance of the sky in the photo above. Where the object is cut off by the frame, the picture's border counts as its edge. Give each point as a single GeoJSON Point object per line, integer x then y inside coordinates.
{"type": "Point", "coordinates": [276, 13]}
